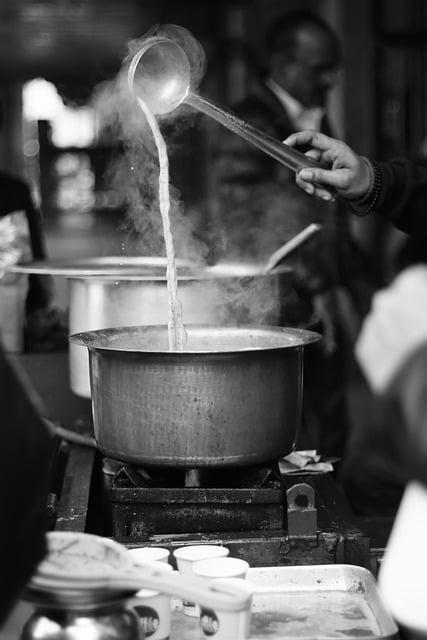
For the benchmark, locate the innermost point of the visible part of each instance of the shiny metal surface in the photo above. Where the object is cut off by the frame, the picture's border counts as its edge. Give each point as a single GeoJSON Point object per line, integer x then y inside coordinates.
{"type": "Point", "coordinates": [232, 398]}
{"type": "Point", "coordinates": [108, 267]}
{"type": "Point", "coordinates": [160, 75]}
{"type": "Point", "coordinates": [312, 601]}
{"type": "Point", "coordinates": [112, 621]}
{"type": "Point", "coordinates": [215, 297]}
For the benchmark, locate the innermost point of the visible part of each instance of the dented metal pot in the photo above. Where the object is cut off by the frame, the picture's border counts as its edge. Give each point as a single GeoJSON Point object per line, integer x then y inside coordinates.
{"type": "Point", "coordinates": [232, 398]}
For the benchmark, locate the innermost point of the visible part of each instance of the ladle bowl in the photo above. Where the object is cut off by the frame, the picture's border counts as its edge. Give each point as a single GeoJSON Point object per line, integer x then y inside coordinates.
{"type": "Point", "coordinates": [160, 75]}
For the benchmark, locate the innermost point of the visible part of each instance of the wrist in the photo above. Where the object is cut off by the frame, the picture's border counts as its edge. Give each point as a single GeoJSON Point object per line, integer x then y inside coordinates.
{"type": "Point", "coordinates": [365, 203]}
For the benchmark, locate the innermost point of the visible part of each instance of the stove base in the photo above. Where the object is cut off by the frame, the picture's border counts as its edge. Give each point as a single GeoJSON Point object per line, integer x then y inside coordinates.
{"type": "Point", "coordinates": [270, 542]}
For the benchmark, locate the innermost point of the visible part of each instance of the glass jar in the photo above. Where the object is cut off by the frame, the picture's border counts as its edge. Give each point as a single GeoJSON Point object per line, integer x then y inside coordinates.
{"type": "Point", "coordinates": [95, 621]}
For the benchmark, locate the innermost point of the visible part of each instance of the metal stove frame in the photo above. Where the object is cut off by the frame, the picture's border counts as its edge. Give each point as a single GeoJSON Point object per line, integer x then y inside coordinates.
{"type": "Point", "coordinates": [305, 521]}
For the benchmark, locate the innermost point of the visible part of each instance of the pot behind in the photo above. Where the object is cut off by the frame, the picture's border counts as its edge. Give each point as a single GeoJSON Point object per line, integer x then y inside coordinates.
{"type": "Point", "coordinates": [226, 293]}
{"type": "Point", "coordinates": [232, 398]}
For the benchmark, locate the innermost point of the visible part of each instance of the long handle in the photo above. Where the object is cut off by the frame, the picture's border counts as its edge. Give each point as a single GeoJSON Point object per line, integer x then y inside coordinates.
{"type": "Point", "coordinates": [288, 156]}
{"type": "Point", "coordinates": [132, 579]}
{"type": "Point", "coordinates": [194, 589]}
{"type": "Point", "coordinates": [294, 243]}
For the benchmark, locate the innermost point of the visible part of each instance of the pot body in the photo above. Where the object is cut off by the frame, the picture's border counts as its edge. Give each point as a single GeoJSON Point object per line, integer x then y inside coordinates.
{"type": "Point", "coordinates": [236, 404]}
{"type": "Point", "coordinates": [228, 294]}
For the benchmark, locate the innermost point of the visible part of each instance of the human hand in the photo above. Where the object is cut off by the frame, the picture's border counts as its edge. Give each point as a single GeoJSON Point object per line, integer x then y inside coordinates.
{"type": "Point", "coordinates": [394, 328]}
{"type": "Point", "coordinates": [341, 167]}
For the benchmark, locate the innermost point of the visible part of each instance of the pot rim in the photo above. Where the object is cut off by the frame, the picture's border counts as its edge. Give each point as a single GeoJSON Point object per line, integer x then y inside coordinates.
{"type": "Point", "coordinates": [125, 268]}
{"type": "Point", "coordinates": [297, 338]}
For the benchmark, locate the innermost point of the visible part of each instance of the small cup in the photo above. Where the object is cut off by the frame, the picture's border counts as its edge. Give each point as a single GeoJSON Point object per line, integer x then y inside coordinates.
{"type": "Point", "coordinates": [149, 554]}
{"type": "Point", "coordinates": [227, 625]}
{"type": "Point", "coordinates": [187, 556]}
{"type": "Point", "coordinates": [221, 568]}
{"type": "Point", "coordinates": [153, 608]}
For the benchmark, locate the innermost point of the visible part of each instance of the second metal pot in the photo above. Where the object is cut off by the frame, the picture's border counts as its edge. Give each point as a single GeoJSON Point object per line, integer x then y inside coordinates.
{"type": "Point", "coordinates": [112, 292]}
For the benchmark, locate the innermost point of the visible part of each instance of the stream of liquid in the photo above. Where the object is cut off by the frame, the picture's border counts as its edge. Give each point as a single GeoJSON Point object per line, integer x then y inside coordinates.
{"type": "Point", "coordinates": [176, 331]}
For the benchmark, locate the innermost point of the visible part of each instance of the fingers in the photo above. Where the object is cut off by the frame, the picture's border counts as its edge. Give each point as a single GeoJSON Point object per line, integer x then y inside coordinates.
{"type": "Point", "coordinates": [314, 190]}
{"type": "Point", "coordinates": [317, 140]}
{"type": "Point", "coordinates": [315, 154]}
{"type": "Point", "coordinates": [337, 179]}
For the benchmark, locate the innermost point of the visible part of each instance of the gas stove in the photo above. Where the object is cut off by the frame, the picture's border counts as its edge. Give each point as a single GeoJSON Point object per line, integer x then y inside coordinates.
{"type": "Point", "coordinates": [263, 516]}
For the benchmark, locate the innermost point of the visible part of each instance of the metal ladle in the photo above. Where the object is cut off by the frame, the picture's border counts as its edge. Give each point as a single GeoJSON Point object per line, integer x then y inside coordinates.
{"type": "Point", "coordinates": [160, 75]}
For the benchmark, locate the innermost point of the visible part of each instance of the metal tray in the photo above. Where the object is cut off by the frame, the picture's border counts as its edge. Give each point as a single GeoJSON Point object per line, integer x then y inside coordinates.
{"type": "Point", "coordinates": [308, 602]}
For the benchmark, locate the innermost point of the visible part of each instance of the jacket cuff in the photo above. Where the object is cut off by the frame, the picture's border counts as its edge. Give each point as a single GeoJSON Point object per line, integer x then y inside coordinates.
{"type": "Point", "coordinates": [364, 205]}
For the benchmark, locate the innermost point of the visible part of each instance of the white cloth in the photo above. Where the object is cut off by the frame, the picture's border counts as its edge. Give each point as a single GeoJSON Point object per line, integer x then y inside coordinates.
{"type": "Point", "coordinates": [15, 244]}
{"type": "Point", "coordinates": [394, 329]}
{"type": "Point", "coordinates": [402, 578]}
{"type": "Point", "coordinates": [301, 117]}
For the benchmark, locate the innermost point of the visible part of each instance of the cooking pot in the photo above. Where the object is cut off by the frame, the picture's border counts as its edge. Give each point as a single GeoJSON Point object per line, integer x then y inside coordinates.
{"type": "Point", "coordinates": [232, 398]}
{"type": "Point", "coordinates": [119, 291]}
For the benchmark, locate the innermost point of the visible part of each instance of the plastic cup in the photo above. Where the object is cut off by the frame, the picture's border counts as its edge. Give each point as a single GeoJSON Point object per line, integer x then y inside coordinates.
{"type": "Point", "coordinates": [221, 568]}
{"type": "Point", "coordinates": [149, 554]}
{"type": "Point", "coordinates": [227, 625]}
{"type": "Point", "coordinates": [185, 559]}
{"type": "Point", "coordinates": [153, 608]}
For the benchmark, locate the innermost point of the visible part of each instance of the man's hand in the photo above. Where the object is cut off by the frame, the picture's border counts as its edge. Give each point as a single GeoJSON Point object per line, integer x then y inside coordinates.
{"type": "Point", "coordinates": [344, 169]}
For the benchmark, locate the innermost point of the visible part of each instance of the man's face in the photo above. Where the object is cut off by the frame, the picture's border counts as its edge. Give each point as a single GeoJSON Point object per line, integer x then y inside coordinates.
{"type": "Point", "coordinates": [311, 71]}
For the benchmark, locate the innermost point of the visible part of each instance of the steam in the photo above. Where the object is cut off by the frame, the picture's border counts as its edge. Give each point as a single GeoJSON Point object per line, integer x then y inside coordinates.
{"type": "Point", "coordinates": [134, 177]}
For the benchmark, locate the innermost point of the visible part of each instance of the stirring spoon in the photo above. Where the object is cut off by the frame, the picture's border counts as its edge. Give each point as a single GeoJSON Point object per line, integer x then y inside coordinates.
{"type": "Point", "coordinates": [289, 247]}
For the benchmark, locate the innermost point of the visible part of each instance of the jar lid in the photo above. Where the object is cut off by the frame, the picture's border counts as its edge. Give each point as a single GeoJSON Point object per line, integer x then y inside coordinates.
{"type": "Point", "coordinates": [76, 569]}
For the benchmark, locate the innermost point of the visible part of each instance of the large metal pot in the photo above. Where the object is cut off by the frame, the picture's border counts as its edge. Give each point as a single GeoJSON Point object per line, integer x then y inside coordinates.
{"type": "Point", "coordinates": [233, 397]}
{"type": "Point", "coordinates": [114, 291]}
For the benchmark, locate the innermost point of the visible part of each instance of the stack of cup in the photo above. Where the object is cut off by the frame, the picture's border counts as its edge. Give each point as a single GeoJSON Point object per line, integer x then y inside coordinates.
{"type": "Point", "coordinates": [227, 625]}
{"type": "Point", "coordinates": [152, 607]}
{"type": "Point", "coordinates": [186, 557]}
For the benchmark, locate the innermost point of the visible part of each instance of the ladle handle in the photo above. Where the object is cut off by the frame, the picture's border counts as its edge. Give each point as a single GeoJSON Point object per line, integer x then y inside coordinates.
{"type": "Point", "coordinates": [283, 153]}
{"type": "Point", "coordinates": [223, 598]}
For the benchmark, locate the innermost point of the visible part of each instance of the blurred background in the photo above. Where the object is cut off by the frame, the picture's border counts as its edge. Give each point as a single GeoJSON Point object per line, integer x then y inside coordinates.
{"type": "Point", "coordinates": [54, 53]}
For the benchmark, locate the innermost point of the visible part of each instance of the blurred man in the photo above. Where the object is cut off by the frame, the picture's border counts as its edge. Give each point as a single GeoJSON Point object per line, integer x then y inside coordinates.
{"type": "Point", "coordinates": [261, 209]}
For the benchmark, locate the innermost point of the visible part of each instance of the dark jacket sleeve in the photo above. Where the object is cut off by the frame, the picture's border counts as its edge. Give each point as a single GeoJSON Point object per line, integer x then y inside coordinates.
{"type": "Point", "coordinates": [403, 197]}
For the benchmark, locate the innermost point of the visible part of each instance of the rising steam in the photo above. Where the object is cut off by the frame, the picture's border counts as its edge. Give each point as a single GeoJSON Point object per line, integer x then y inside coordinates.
{"type": "Point", "coordinates": [134, 176]}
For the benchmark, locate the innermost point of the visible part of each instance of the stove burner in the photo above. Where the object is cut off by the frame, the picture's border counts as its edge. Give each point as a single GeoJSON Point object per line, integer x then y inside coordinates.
{"type": "Point", "coordinates": [122, 475]}
{"type": "Point", "coordinates": [147, 502]}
